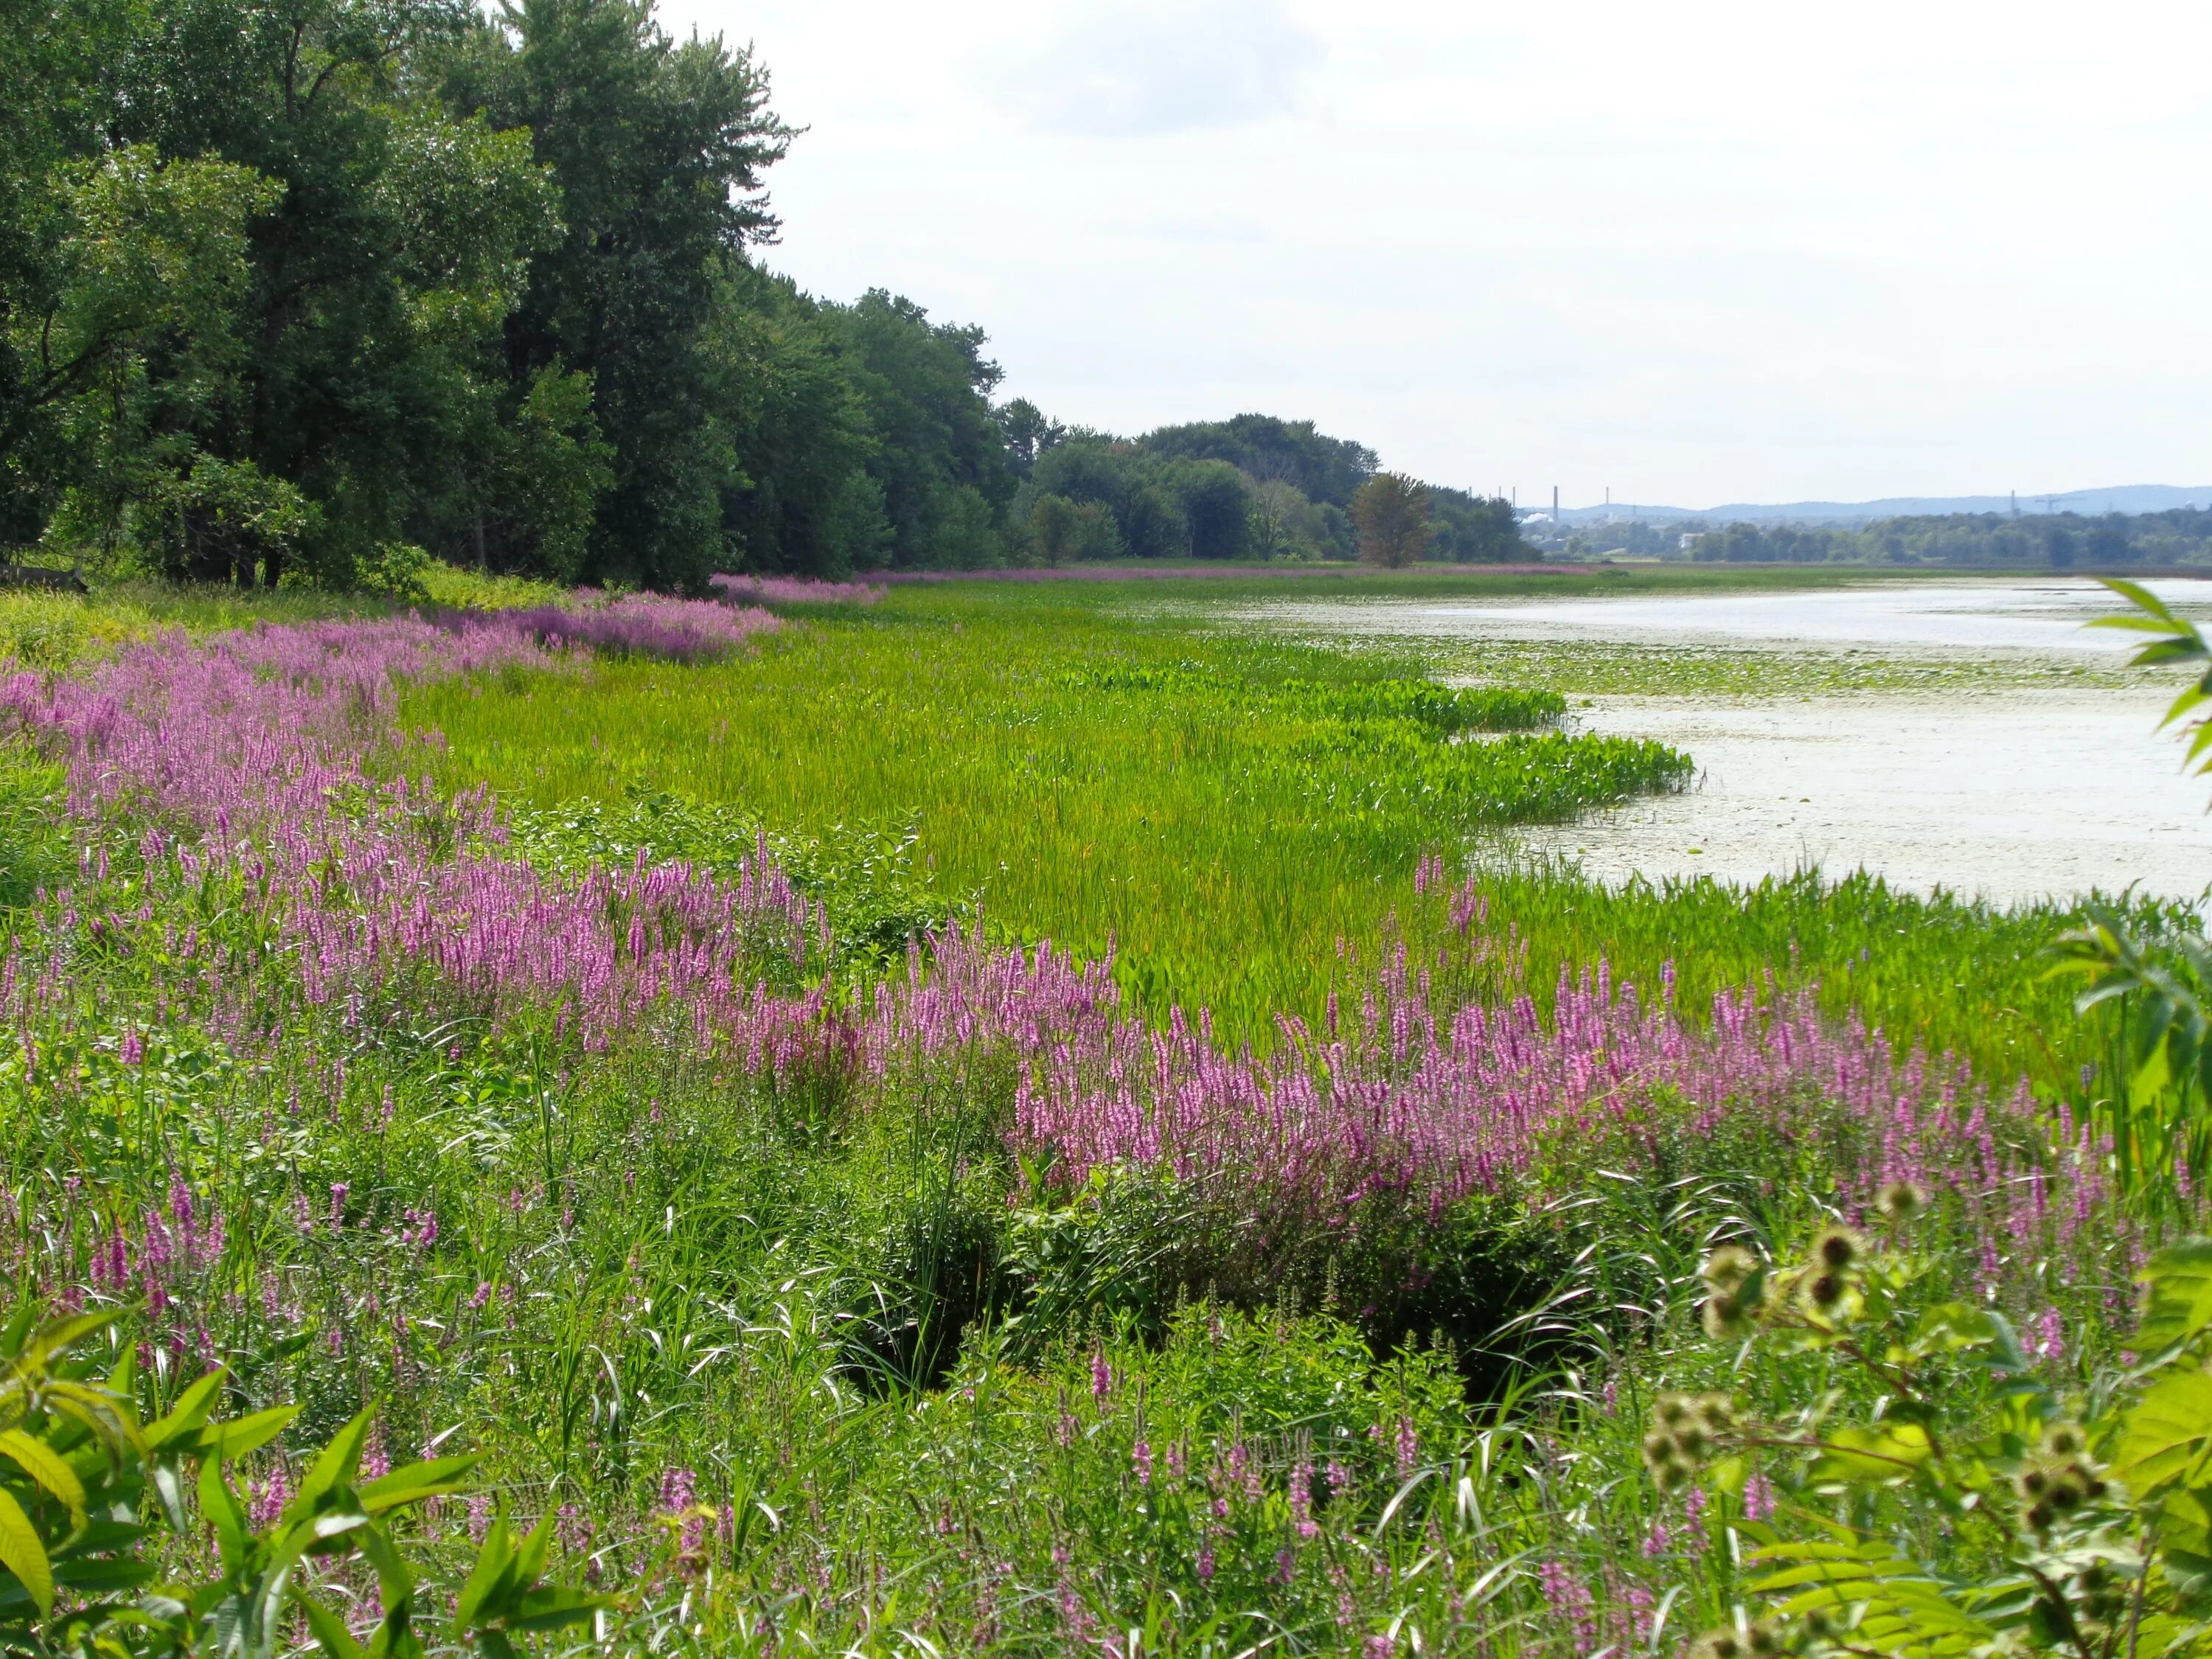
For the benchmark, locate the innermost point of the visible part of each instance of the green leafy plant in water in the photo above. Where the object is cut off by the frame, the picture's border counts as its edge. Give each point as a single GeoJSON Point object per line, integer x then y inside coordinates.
{"type": "Point", "coordinates": [2074, 1523]}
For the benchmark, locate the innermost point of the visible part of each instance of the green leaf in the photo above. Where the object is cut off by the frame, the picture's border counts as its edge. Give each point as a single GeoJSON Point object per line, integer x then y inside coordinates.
{"type": "Point", "coordinates": [226, 1443]}
{"type": "Point", "coordinates": [416, 1482]}
{"type": "Point", "coordinates": [2180, 1301]}
{"type": "Point", "coordinates": [189, 1412]}
{"type": "Point", "coordinates": [530, 1557]}
{"type": "Point", "coordinates": [1881, 1455]}
{"type": "Point", "coordinates": [329, 1631]}
{"type": "Point", "coordinates": [22, 1554]}
{"type": "Point", "coordinates": [2165, 1438]}
{"type": "Point", "coordinates": [334, 1465]}
{"type": "Point", "coordinates": [1953, 1327]}
{"type": "Point", "coordinates": [488, 1579]}
{"type": "Point", "coordinates": [553, 1607]}
{"type": "Point", "coordinates": [58, 1336]}
{"type": "Point", "coordinates": [220, 1505]}
{"type": "Point", "coordinates": [40, 1461]}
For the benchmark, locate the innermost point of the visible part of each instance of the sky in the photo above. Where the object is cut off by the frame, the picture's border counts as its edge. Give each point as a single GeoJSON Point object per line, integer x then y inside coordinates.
{"type": "Point", "coordinates": [1693, 254]}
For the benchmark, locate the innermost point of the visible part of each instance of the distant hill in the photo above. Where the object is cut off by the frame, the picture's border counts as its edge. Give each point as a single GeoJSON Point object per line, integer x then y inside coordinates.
{"type": "Point", "coordinates": [2123, 498]}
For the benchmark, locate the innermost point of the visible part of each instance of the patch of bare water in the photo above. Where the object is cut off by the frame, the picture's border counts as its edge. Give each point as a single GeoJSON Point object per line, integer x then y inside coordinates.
{"type": "Point", "coordinates": [2013, 795]}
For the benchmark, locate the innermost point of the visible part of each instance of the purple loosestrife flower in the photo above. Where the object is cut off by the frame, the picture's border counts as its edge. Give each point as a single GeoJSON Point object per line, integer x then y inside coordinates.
{"type": "Point", "coordinates": [1757, 1498]}
{"type": "Point", "coordinates": [1205, 1564]}
{"type": "Point", "coordinates": [479, 1517]}
{"type": "Point", "coordinates": [1101, 1378]}
{"type": "Point", "coordinates": [1569, 1598]}
{"type": "Point", "coordinates": [2049, 1338]}
{"type": "Point", "coordinates": [269, 1495]}
{"type": "Point", "coordinates": [1141, 1459]}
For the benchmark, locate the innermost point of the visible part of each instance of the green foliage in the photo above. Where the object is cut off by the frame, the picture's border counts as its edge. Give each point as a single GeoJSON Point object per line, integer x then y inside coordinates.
{"type": "Point", "coordinates": [88, 1490]}
{"type": "Point", "coordinates": [2083, 1509]}
{"type": "Point", "coordinates": [1391, 515]}
{"type": "Point", "coordinates": [1151, 792]}
{"type": "Point", "coordinates": [2159, 1106]}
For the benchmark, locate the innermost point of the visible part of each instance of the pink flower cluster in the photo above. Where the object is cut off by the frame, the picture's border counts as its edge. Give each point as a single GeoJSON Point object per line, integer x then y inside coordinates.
{"type": "Point", "coordinates": [636, 624]}
{"type": "Point", "coordinates": [251, 756]}
{"type": "Point", "coordinates": [791, 590]}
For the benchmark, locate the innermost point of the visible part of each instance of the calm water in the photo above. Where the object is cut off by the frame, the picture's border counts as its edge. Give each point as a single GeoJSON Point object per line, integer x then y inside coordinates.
{"type": "Point", "coordinates": [2013, 795]}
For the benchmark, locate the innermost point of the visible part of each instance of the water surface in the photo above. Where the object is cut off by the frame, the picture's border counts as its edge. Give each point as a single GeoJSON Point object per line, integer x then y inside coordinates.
{"type": "Point", "coordinates": [2012, 794]}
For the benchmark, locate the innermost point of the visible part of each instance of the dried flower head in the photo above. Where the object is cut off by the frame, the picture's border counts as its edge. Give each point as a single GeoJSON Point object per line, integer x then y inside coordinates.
{"type": "Point", "coordinates": [1838, 1249]}
{"type": "Point", "coordinates": [1725, 1315]}
{"type": "Point", "coordinates": [1728, 1266]}
{"type": "Point", "coordinates": [1902, 1202]}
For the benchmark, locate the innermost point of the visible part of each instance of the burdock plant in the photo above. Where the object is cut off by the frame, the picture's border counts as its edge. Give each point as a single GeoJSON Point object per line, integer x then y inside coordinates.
{"type": "Point", "coordinates": [2092, 1513]}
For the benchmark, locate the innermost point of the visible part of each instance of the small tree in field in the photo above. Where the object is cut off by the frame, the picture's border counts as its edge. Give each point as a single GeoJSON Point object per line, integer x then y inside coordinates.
{"type": "Point", "coordinates": [1391, 513]}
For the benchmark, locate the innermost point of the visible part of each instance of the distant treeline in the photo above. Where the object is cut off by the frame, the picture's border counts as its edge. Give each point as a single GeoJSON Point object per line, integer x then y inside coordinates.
{"type": "Point", "coordinates": [2061, 541]}
{"type": "Point", "coordinates": [301, 289]}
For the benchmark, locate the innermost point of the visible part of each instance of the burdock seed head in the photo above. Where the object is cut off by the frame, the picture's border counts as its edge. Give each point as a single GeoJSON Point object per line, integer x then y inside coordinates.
{"type": "Point", "coordinates": [1837, 1249]}
{"type": "Point", "coordinates": [1728, 1267]}
{"type": "Point", "coordinates": [2064, 1440]}
{"type": "Point", "coordinates": [1824, 1290]}
{"type": "Point", "coordinates": [1725, 1316]}
{"type": "Point", "coordinates": [1902, 1202]}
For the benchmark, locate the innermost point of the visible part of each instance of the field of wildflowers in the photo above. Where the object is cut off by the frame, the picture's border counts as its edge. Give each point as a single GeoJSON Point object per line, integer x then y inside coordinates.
{"type": "Point", "coordinates": [512, 1018]}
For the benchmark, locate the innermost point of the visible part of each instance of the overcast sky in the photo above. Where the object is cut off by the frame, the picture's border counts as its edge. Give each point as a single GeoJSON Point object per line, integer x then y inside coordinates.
{"type": "Point", "coordinates": [1695, 254]}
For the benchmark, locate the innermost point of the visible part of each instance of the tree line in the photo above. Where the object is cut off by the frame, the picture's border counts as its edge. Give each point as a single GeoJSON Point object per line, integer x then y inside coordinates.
{"type": "Point", "coordinates": [2060, 541]}
{"type": "Point", "coordinates": [308, 291]}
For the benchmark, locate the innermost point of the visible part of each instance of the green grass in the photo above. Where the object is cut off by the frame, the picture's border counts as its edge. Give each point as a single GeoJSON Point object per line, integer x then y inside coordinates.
{"type": "Point", "coordinates": [648, 1259]}
{"type": "Point", "coordinates": [1223, 809]}
{"type": "Point", "coordinates": [1088, 767]}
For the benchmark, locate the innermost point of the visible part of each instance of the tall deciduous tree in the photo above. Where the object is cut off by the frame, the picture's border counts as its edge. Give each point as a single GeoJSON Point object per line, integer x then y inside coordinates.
{"type": "Point", "coordinates": [1391, 514]}
{"type": "Point", "coordinates": [660, 148]}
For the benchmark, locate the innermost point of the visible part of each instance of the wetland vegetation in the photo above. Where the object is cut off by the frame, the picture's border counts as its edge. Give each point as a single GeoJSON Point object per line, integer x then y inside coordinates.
{"type": "Point", "coordinates": [999, 1117]}
{"type": "Point", "coordinates": [846, 1089]}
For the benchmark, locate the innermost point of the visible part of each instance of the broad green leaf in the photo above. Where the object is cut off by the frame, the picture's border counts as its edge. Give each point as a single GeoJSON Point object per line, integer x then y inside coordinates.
{"type": "Point", "coordinates": [530, 1557]}
{"type": "Point", "coordinates": [2165, 1437]}
{"type": "Point", "coordinates": [40, 1461]}
{"type": "Point", "coordinates": [58, 1336]}
{"type": "Point", "coordinates": [554, 1607]}
{"type": "Point", "coordinates": [222, 1510]}
{"type": "Point", "coordinates": [488, 1579]}
{"type": "Point", "coordinates": [2180, 1301]}
{"type": "Point", "coordinates": [226, 1443]}
{"type": "Point", "coordinates": [335, 1465]}
{"type": "Point", "coordinates": [1882, 1453]}
{"type": "Point", "coordinates": [416, 1482]}
{"type": "Point", "coordinates": [329, 1631]}
{"type": "Point", "coordinates": [189, 1412]}
{"type": "Point", "coordinates": [22, 1554]}
{"type": "Point", "coordinates": [1953, 1327]}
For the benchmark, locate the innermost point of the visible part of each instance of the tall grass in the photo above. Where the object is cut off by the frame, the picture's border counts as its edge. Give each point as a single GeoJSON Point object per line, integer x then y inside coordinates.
{"type": "Point", "coordinates": [1214, 807]}
{"type": "Point", "coordinates": [1221, 810]}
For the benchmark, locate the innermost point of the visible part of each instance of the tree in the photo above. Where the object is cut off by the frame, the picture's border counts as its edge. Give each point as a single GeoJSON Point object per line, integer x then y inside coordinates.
{"type": "Point", "coordinates": [1028, 433]}
{"type": "Point", "coordinates": [1391, 514]}
{"type": "Point", "coordinates": [1217, 505]}
{"type": "Point", "coordinates": [659, 149]}
{"type": "Point", "coordinates": [926, 388]}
